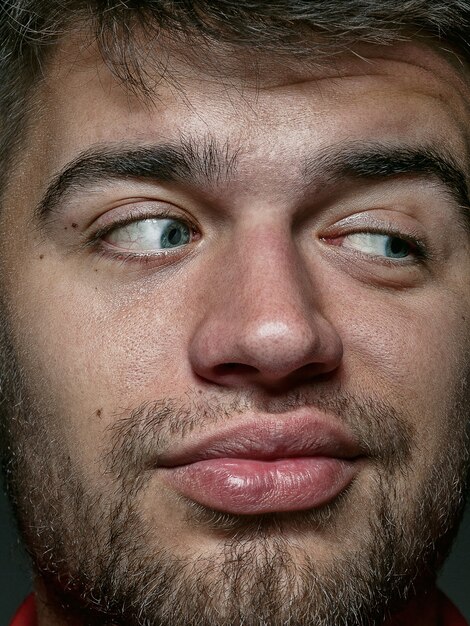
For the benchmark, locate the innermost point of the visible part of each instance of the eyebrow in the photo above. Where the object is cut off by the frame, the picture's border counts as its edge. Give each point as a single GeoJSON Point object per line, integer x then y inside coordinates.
{"type": "Point", "coordinates": [208, 163]}
{"type": "Point", "coordinates": [377, 161]}
{"type": "Point", "coordinates": [189, 162]}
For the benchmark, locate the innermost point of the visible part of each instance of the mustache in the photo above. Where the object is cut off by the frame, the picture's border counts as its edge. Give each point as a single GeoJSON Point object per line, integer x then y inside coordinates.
{"type": "Point", "coordinates": [139, 435]}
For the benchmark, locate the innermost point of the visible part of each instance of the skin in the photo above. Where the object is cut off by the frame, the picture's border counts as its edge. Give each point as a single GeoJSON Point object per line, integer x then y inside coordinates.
{"type": "Point", "coordinates": [103, 336]}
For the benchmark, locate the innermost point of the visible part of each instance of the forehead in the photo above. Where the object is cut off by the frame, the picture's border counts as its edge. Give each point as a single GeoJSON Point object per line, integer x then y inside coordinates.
{"type": "Point", "coordinates": [257, 105]}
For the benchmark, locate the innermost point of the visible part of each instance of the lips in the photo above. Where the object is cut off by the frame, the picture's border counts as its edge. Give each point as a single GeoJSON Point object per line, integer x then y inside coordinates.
{"type": "Point", "coordinates": [265, 465]}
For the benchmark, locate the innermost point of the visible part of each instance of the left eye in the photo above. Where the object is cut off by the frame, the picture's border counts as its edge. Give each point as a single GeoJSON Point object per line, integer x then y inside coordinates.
{"type": "Point", "coordinates": [377, 244]}
{"type": "Point", "coordinates": [150, 235]}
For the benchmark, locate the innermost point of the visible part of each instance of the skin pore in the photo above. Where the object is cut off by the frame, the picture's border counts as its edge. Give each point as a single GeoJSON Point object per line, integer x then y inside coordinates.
{"type": "Point", "coordinates": [303, 283]}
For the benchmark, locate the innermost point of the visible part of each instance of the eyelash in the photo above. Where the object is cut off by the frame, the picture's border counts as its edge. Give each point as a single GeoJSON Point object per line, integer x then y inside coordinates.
{"type": "Point", "coordinates": [124, 258]}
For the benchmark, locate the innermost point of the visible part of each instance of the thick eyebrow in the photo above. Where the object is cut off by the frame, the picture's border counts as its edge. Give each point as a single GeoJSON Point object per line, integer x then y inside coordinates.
{"type": "Point", "coordinates": [208, 163]}
{"type": "Point", "coordinates": [204, 163]}
{"type": "Point", "coordinates": [375, 161]}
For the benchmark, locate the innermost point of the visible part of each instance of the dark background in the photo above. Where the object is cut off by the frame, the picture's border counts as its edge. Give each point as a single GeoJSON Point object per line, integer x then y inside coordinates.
{"type": "Point", "coordinates": [15, 580]}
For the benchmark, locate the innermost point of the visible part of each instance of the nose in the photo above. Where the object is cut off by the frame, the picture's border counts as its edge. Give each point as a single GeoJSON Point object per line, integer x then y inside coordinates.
{"type": "Point", "coordinates": [262, 322]}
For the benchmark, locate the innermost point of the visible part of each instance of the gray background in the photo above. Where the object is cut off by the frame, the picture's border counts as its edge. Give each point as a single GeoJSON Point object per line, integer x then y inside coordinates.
{"type": "Point", "coordinates": [15, 579]}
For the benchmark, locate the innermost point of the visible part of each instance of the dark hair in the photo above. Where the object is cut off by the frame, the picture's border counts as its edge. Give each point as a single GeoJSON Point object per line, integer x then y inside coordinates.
{"type": "Point", "coordinates": [29, 29]}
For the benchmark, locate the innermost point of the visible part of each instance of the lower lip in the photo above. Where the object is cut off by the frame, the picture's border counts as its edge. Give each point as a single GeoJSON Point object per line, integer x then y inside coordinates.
{"type": "Point", "coordinates": [249, 487]}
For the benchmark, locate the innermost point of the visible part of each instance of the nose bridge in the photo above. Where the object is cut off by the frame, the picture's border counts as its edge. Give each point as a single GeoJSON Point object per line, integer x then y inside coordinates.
{"type": "Point", "coordinates": [269, 289]}
{"type": "Point", "coordinates": [263, 317]}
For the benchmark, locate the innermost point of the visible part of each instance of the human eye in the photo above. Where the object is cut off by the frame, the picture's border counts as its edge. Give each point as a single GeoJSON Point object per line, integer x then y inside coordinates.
{"type": "Point", "coordinates": [383, 245]}
{"type": "Point", "coordinates": [388, 255]}
{"type": "Point", "coordinates": [150, 235]}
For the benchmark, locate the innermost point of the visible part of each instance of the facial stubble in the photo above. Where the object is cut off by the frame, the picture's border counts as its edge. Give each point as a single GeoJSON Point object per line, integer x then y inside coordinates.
{"type": "Point", "coordinates": [103, 561]}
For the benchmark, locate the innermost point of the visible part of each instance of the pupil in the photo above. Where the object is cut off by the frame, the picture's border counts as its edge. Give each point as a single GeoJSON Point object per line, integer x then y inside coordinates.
{"type": "Point", "coordinates": [175, 234]}
{"type": "Point", "coordinates": [398, 247]}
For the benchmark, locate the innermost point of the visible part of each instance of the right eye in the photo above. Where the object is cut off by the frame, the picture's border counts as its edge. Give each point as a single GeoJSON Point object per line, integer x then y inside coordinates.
{"type": "Point", "coordinates": [150, 235]}
{"type": "Point", "coordinates": [380, 245]}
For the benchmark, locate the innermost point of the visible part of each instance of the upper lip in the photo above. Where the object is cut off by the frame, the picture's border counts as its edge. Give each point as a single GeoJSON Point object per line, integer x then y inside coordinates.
{"type": "Point", "coordinates": [268, 438]}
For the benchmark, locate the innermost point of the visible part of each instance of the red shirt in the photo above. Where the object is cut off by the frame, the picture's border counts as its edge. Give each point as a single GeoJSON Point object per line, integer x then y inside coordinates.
{"type": "Point", "coordinates": [448, 614]}
{"type": "Point", "coordinates": [26, 614]}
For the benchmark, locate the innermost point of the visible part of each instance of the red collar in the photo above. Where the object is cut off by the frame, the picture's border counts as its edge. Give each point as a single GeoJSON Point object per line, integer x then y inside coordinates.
{"type": "Point", "coordinates": [26, 614]}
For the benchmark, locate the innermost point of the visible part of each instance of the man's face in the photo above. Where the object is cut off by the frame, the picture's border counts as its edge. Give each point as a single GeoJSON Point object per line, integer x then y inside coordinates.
{"type": "Point", "coordinates": [238, 333]}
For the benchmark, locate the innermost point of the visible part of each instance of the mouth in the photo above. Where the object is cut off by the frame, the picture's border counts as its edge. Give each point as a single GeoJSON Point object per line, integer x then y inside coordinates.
{"type": "Point", "coordinates": [274, 465]}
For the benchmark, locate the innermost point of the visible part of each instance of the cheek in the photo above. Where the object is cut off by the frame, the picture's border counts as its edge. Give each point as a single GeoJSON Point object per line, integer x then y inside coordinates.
{"type": "Point", "coordinates": [90, 358]}
{"type": "Point", "coordinates": [413, 352]}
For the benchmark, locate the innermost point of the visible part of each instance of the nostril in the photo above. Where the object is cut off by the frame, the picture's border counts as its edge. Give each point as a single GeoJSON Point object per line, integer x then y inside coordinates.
{"type": "Point", "coordinates": [232, 371]}
{"type": "Point", "coordinates": [234, 368]}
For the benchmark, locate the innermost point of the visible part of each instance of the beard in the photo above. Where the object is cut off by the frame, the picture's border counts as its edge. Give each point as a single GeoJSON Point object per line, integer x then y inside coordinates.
{"type": "Point", "coordinates": [102, 561]}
